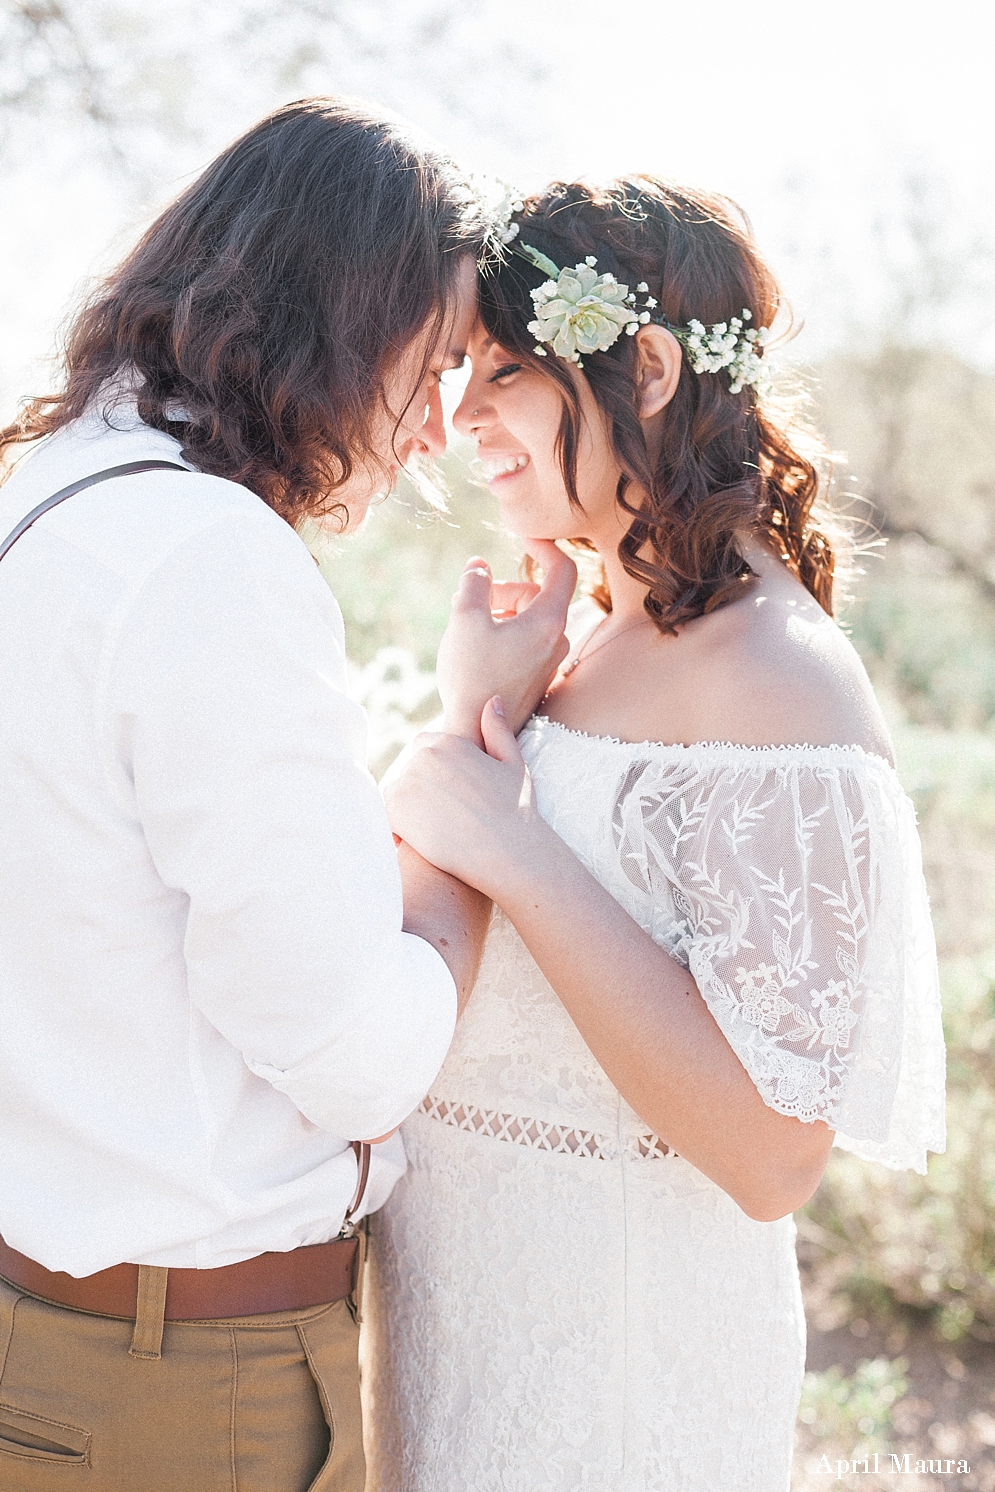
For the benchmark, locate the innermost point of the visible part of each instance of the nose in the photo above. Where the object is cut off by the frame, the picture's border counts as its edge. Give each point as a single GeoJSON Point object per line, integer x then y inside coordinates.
{"type": "Point", "coordinates": [471, 413]}
{"type": "Point", "coordinates": [432, 435]}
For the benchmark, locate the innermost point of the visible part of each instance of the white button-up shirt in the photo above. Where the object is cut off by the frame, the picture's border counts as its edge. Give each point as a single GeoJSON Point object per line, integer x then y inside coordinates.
{"type": "Point", "coordinates": [205, 990]}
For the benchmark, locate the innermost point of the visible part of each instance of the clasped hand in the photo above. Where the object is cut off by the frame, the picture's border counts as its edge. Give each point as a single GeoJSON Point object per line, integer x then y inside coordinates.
{"type": "Point", "coordinates": [506, 639]}
{"type": "Point", "coordinates": [465, 809]}
{"type": "Point", "coordinates": [468, 811]}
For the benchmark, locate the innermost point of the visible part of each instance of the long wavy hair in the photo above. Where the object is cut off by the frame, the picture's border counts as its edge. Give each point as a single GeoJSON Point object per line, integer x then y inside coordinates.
{"type": "Point", "coordinates": [261, 315]}
{"type": "Point", "coordinates": [729, 464]}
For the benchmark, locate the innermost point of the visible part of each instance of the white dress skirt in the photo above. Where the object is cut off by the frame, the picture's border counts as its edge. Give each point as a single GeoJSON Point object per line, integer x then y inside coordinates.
{"type": "Point", "coordinates": [557, 1300]}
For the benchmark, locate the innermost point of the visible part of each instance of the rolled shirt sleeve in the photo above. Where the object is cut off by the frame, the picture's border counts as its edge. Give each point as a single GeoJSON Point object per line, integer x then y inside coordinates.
{"type": "Point", "coordinates": [231, 733]}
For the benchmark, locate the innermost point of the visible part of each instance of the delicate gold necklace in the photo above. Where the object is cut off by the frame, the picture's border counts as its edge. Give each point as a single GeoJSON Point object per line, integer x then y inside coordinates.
{"type": "Point", "coordinates": [582, 652]}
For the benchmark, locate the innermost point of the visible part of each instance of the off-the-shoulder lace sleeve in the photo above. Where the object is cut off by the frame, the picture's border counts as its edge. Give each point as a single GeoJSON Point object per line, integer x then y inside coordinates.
{"type": "Point", "coordinates": [789, 881]}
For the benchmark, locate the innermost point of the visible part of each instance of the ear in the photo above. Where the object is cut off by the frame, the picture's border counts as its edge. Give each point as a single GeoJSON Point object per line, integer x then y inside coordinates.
{"type": "Point", "coordinates": [659, 368]}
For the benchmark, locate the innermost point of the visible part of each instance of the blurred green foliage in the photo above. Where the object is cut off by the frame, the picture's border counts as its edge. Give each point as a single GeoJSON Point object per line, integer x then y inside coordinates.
{"type": "Point", "coordinates": [919, 430]}
{"type": "Point", "coordinates": [854, 1411]}
{"type": "Point", "coordinates": [395, 578]}
{"type": "Point", "coordinates": [883, 1240]}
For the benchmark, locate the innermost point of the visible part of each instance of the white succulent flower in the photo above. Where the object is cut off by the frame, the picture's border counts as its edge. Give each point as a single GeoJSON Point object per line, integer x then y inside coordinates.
{"type": "Point", "coordinates": [582, 312]}
{"type": "Point", "coordinates": [579, 311]}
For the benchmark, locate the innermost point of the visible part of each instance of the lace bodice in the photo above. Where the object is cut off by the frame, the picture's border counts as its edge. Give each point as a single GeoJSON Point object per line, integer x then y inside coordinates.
{"type": "Point", "coordinates": [789, 881]}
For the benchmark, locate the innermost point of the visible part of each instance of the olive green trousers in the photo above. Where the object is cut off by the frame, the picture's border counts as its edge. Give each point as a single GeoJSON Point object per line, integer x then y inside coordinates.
{"type": "Point", "coordinates": [252, 1404]}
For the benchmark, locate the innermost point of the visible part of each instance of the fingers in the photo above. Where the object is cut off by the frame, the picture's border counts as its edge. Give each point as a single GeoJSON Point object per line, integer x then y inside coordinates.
{"type": "Point", "coordinates": [427, 738]}
{"type": "Point", "coordinates": [508, 597]}
{"type": "Point", "coordinates": [474, 590]}
{"type": "Point", "coordinates": [560, 575]}
{"type": "Point", "coordinates": [499, 738]}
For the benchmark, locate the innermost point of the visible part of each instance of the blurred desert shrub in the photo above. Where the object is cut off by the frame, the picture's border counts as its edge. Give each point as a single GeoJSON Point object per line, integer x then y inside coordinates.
{"type": "Point", "coordinates": [395, 579]}
{"type": "Point", "coordinates": [877, 1240]}
{"type": "Point", "coordinates": [919, 430]}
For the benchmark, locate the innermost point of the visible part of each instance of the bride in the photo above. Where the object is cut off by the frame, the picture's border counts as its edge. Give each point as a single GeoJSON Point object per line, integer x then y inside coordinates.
{"type": "Point", "coordinates": [710, 956]}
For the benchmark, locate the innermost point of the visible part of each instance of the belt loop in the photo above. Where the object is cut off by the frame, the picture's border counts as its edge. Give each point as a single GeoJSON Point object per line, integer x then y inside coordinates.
{"type": "Point", "coordinates": [150, 1312]}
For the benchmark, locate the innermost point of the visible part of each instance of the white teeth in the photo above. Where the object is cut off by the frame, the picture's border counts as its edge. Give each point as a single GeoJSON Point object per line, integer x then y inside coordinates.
{"type": "Point", "coordinates": [500, 466]}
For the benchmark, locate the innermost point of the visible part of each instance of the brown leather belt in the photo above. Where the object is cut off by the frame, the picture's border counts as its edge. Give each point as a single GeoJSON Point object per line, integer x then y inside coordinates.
{"type": "Point", "coordinates": [316, 1275]}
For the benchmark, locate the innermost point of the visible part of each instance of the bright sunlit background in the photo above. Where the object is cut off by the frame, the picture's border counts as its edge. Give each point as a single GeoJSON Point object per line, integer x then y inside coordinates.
{"type": "Point", "coordinates": [857, 135]}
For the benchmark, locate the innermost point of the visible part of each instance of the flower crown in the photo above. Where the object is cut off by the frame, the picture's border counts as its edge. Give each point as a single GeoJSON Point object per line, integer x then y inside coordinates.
{"type": "Point", "coordinates": [579, 311]}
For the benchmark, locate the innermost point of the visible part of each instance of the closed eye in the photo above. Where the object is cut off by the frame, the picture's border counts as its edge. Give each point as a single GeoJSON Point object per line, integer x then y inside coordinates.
{"type": "Point", "coordinates": [505, 372]}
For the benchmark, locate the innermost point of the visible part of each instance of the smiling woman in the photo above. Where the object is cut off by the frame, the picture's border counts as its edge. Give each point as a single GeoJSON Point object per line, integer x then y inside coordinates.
{"type": "Point", "coordinates": [711, 956]}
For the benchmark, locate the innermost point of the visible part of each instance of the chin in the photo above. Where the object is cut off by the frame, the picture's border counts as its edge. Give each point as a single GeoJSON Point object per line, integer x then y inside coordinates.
{"type": "Point", "coordinates": [359, 512]}
{"type": "Point", "coordinates": [521, 526]}
{"type": "Point", "coordinates": [549, 532]}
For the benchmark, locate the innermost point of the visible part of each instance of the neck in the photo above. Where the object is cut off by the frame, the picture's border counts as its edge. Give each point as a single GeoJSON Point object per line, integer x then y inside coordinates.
{"type": "Point", "coordinates": [629, 594]}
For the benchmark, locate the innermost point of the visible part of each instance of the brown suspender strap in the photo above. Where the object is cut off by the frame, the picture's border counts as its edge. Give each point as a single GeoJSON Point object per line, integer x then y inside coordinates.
{"type": "Point", "coordinates": [126, 470]}
{"type": "Point", "coordinates": [363, 1152]}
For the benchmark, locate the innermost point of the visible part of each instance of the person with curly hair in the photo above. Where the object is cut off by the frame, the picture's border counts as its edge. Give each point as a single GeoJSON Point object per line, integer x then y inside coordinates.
{"type": "Point", "coordinates": [209, 985]}
{"type": "Point", "coordinates": [710, 956]}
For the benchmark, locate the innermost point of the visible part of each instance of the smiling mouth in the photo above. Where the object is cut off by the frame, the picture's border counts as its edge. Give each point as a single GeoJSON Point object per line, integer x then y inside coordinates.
{"type": "Point", "coordinates": [495, 468]}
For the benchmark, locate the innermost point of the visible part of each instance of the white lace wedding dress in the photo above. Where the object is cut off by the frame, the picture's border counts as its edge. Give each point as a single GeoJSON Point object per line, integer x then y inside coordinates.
{"type": "Point", "coordinates": [556, 1299]}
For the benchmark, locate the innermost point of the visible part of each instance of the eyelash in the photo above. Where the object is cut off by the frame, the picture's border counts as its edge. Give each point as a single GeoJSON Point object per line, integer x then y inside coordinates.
{"type": "Point", "coordinates": [505, 372]}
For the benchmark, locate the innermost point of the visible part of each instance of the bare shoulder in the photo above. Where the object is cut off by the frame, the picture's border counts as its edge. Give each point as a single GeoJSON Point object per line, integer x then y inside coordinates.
{"type": "Point", "coordinates": [775, 669]}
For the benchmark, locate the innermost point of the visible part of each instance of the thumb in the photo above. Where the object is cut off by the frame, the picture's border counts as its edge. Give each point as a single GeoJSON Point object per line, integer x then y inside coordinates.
{"type": "Point", "coordinates": [560, 577]}
{"type": "Point", "coordinates": [474, 591]}
{"type": "Point", "coordinates": [499, 738]}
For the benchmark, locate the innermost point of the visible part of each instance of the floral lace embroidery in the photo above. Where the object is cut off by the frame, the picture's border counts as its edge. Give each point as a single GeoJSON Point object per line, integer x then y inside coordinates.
{"type": "Point", "coordinates": [539, 1134]}
{"type": "Point", "coordinates": [788, 880]}
{"type": "Point", "coordinates": [539, 1323]}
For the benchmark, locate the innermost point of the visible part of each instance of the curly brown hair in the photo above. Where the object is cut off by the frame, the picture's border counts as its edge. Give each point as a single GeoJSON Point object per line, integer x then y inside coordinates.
{"type": "Point", "coordinates": [261, 315]}
{"type": "Point", "coordinates": [729, 463]}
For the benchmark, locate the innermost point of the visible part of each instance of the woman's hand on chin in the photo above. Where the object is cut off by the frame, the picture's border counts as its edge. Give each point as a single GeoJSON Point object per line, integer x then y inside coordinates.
{"type": "Point", "coordinates": [469, 812]}
{"type": "Point", "coordinates": [505, 640]}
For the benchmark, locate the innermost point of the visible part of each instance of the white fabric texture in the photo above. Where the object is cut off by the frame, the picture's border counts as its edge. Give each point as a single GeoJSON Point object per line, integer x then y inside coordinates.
{"type": "Point", "coordinates": [205, 990]}
{"type": "Point", "coordinates": [554, 1302]}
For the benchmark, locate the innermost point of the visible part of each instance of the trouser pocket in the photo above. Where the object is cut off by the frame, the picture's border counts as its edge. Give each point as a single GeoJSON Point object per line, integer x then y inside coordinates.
{"type": "Point", "coordinates": [31, 1437]}
{"type": "Point", "coordinates": [331, 1346]}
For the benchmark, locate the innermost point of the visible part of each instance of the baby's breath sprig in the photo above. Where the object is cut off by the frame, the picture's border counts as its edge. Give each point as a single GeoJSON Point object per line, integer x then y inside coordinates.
{"type": "Point", "coordinates": [727, 345]}
{"type": "Point", "coordinates": [499, 200]}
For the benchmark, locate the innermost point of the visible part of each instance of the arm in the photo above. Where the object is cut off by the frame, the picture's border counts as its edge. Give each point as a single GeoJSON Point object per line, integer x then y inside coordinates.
{"type": "Point", "coordinates": [638, 1010]}
{"type": "Point", "coordinates": [242, 760]}
{"type": "Point", "coordinates": [448, 914]}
